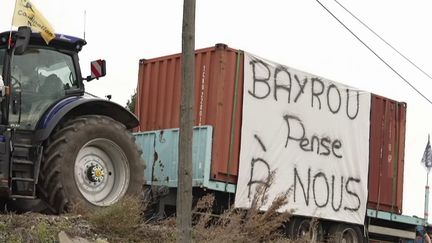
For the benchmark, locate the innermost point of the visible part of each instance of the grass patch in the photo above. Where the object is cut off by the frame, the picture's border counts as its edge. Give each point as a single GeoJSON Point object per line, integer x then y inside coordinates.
{"type": "Point", "coordinates": [120, 219]}
{"type": "Point", "coordinates": [124, 222]}
{"type": "Point", "coordinates": [237, 225]}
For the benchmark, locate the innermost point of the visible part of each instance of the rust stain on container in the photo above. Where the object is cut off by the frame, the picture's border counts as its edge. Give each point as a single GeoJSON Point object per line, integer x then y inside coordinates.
{"type": "Point", "coordinates": [387, 145]}
{"type": "Point", "coordinates": [218, 101]}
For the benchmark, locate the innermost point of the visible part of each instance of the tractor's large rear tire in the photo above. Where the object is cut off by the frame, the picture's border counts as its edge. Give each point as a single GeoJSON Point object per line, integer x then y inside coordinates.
{"type": "Point", "coordinates": [90, 161]}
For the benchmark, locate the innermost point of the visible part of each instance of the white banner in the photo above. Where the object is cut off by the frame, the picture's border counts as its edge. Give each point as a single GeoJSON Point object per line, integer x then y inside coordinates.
{"type": "Point", "coordinates": [313, 133]}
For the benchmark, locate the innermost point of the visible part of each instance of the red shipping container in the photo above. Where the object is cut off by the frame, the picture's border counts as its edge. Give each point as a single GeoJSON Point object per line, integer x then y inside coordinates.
{"type": "Point", "coordinates": [387, 147]}
{"type": "Point", "coordinates": [218, 102]}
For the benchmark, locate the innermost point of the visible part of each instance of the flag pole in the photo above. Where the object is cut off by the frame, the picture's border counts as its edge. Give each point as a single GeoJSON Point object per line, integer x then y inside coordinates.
{"type": "Point", "coordinates": [10, 31]}
{"type": "Point", "coordinates": [426, 206]}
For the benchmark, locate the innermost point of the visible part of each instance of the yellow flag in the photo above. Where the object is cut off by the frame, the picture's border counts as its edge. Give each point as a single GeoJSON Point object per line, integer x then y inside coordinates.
{"type": "Point", "coordinates": [26, 14]}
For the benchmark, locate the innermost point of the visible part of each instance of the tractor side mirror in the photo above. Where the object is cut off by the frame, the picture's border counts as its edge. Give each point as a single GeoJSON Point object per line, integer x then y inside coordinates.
{"type": "Point", "coordinates": [22, 39]}
{"type": "Point", "coordinates": [98, 69]}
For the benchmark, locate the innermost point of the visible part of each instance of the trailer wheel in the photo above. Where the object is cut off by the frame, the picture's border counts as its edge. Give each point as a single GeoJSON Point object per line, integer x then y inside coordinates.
{"type": "Point", "coordinates": [91, 161]}
{"type": "Point", "coordinates": [299, 227]}
{"type": "Point", "coordinates": [345, 233]}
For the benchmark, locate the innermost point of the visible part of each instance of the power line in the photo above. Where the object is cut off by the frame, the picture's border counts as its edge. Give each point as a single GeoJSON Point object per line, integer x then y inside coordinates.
{"type": "Point", "coordinates": [377, 35]}
{"type": "Point", "coordinates": [370, 49]}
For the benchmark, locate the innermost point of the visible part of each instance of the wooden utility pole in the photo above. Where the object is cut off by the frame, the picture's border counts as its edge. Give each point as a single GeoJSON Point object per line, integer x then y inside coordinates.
{"type": "Point", "coordinates": [184, 193]}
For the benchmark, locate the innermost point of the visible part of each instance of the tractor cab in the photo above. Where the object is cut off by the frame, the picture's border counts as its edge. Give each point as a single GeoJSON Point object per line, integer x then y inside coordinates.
{"type": "Point", "coordinates": [37, 75]}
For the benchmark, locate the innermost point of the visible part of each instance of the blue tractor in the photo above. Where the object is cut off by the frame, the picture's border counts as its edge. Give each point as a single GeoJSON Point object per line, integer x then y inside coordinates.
{"type": "Point", "coordinates": [59, 145]}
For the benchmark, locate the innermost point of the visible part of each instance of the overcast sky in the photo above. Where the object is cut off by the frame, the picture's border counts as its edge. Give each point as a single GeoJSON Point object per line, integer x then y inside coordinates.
{"type": "Point", "coordinates": [296, 33]}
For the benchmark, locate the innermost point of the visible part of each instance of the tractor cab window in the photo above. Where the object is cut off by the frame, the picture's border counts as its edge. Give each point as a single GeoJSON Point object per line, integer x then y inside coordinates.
{"type": "Point", "coordinates": [39, 78]}
{"type": "Point", "coordinates": [46, 71]}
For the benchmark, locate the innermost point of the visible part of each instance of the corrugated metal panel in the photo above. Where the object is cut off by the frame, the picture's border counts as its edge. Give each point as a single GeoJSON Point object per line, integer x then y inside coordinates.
{"type": "Point", "coordinates": [218, 101]}
{"type": "Point", "coordinates": [387, 144]}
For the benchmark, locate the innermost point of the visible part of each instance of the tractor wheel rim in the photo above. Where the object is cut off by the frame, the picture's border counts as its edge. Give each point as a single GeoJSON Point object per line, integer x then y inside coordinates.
{"type": "Point", "coordinates": [101, 172]}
